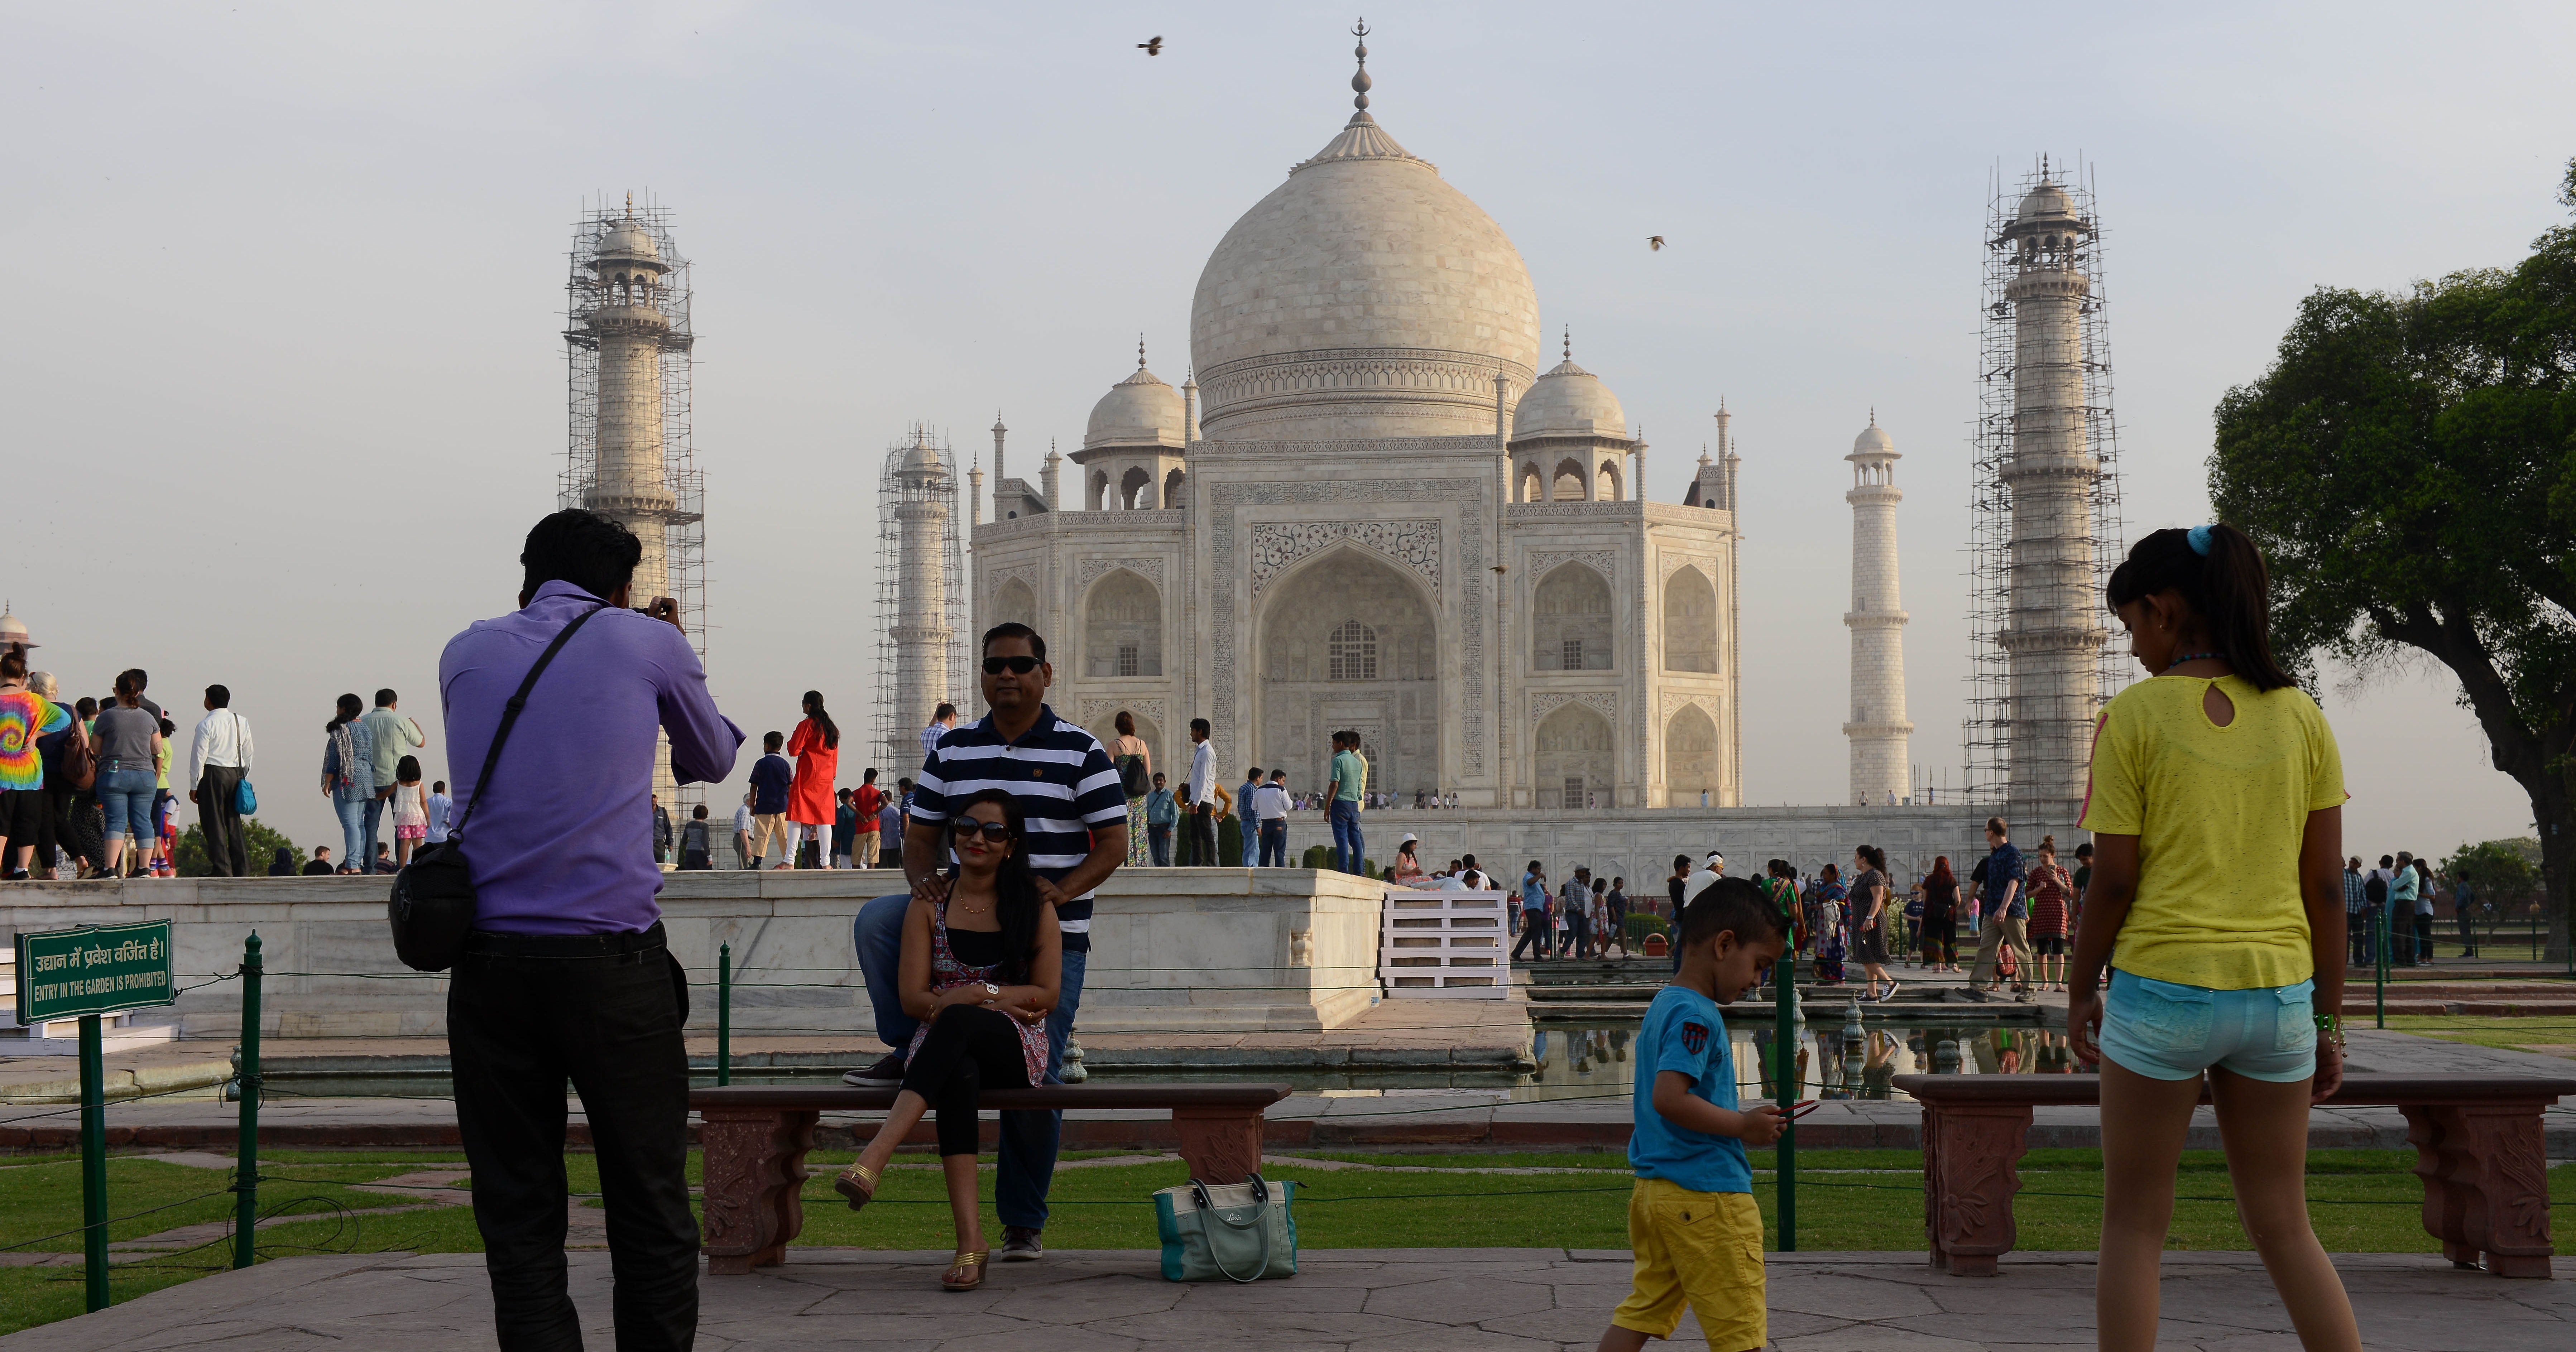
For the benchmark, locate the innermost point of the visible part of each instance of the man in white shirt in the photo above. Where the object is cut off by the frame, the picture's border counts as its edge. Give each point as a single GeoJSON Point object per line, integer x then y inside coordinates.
{"type": "Point", "coordinates": [442, 811]}
{"type": "Point", "coordinates": [1270, 808]}
{"type": "Point", "coordinates": [1200, 829]}
{"type": "Point", "coordinates": [742, 831]}
{"type": "Point", "coordinates": [218, 762]}
{"type": "Point", "coordinates": [943, 721]}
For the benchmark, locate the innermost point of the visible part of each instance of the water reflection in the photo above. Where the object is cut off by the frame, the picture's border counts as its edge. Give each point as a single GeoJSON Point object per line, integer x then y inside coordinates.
{"type": "Point", "coordinates": [1832, 1062]}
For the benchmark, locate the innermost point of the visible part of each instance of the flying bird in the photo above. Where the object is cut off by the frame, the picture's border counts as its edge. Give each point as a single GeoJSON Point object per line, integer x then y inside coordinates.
{"type": "Point", "coordinates": [1154, 48]}
{"type": "Point", "coordinates": [1655, 243]}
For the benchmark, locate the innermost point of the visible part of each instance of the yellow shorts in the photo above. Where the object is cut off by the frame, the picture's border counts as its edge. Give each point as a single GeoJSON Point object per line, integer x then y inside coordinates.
{"type": "Point", "coordinates": [1703, 1248]}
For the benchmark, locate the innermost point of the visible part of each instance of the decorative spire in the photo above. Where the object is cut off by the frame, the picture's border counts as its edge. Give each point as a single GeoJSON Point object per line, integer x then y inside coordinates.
{"type": "Point", "coordinates": [630, 204]}
{"type": "Point", "coordinates": [1873, 415]}
{"type": "Point", "coordinates": [1360, 83]}
{"type": "Point", "coordinates": [1140, 351]}
{"type": "Point", "coordinates": [1569, 342]}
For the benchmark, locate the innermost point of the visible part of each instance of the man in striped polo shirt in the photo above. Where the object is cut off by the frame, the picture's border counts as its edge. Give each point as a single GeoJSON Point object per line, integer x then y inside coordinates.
{"type": "Point", "coordinates": [1068, 792]}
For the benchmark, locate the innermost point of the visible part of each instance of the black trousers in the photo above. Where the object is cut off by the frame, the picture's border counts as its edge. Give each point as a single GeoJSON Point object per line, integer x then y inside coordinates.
{"type": "Point", "coordinates": [1941, 937]}
{"type": "Point", "coordinates": [219, 816]}
{"type": "Point", "coordinates": [1202, 838]}
{"type": "Point", "coordinates": [1533, 931]}
{"type": "Point", "coordinates": [967, 1048]}
{"type": "Point", "coordinates": [525, 1015]}
{"type": "Point", "coordinates": [27, 819]}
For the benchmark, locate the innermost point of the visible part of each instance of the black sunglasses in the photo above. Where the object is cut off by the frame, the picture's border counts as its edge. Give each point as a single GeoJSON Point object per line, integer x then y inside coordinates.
{"type": "Point", "coordinates": [1021, 665]}
{"type": "Point", "coordinates": [996, 832]}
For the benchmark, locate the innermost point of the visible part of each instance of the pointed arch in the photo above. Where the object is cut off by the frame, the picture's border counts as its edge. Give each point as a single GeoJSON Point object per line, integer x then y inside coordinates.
{"type": "Point", "coordinates": [1576, 764]}
{"type": "Point", "coordinates": [1122, 626]}
{"type": "Point", "coordinates": [1014, 603]}
{"type": "Point", "coordinates": [1136, 489]}
{"type": "Point", "coordinates": [1175, 489]}
{"type": "Point", "coordinates": [1690, 621]}
{"type": "Point", "coordinates": [1570, 621]}
{"type": "Point", "coordinates": [1570, 483]}
{"type": "Point", "coordinates": [1382, 623]}
{"type": "Point", "coordinates": [1606, 482]}
{"type": "Point", "coordinates": [1099, 494]}
{"type": "Point", "coordinates": [1690, 757]}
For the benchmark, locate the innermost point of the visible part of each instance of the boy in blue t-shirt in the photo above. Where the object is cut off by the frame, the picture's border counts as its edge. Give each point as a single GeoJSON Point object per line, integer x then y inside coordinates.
{"type": "Point", "coordinates": [1691, 1218]}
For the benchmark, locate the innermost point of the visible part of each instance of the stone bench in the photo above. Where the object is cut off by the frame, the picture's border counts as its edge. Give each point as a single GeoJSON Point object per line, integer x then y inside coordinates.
{"type": "Point", "coordinates": [756, 1137]}
{"type": "Point", "coordinates": [2477, 1138]}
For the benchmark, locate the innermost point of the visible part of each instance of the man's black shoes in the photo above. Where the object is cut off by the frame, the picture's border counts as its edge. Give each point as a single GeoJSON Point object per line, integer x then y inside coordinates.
{"type": "Point", "coordinates": [1022, 1244]}
{"type": "Point", "coordinates": [887, 1073]}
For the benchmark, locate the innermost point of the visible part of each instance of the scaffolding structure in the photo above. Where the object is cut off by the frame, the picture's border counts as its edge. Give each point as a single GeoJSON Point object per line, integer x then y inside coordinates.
{"type": "Point", "coordinates": [2063, 571]}
{"type": "Point", "coordinates": [921, 595]}
{"type": "Point", "coordinates": [603, 308]}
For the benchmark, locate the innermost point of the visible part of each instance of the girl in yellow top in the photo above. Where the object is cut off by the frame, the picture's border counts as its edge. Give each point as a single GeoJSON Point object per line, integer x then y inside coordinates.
{"type": "Point", "coordinates": [2216, 806]}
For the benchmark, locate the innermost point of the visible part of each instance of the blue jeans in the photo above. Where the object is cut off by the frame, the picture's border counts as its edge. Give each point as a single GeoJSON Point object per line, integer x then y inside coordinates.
{"type": "Point", "coordinates": [375, 812]}
{"type": "Point", "coordinates": [1350, 849]}
{"type": "Point", "coordinates": [1158, 839]}
{"type": "Point", "coordinates": [1274, 843]}
{"type": "Point", "coordinates": [353, 829]}
{"type": "Point", "coordinates": [1250, 830]}
{"type": "Point", "coordinates": [125, 797]}
{"type": "Point", "coordinates": [1029, 1139]}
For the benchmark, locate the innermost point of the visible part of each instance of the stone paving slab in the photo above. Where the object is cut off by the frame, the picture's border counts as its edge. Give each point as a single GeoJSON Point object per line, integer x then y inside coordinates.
{"type": "Point", "coordinates": [1422, 1300]}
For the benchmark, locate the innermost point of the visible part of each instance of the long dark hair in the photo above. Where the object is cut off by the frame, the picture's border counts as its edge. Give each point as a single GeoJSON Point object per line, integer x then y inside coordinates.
{"type": "Point", "coordinates": [1015, 890]}
{"type": "Point", "coordinates": [814, 710]}
{"type": "Point", "coordinates": [350, 707]}
{"type": "Point", "coordinates": [1941, 871]}
{"type": "Point", "coordinates": [2221, 576]}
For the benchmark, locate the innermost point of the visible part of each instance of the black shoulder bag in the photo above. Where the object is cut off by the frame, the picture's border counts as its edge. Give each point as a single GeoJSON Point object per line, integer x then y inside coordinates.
{"type": "Point", "coordinates": [432, 909]}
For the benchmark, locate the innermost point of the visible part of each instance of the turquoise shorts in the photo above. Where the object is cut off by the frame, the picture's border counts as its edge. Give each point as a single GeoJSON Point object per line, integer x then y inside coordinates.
{"type": "Point", "coordinates": [2168, 1031]}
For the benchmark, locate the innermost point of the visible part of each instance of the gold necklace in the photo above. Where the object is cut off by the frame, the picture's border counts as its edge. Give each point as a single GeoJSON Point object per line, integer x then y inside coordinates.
{"type": "Point", "coordinates": [984, 909]}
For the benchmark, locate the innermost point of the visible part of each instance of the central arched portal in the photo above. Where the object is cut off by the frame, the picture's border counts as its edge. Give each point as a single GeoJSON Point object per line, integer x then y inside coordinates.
{"type": "Point", "coordinates": [1348, 642]}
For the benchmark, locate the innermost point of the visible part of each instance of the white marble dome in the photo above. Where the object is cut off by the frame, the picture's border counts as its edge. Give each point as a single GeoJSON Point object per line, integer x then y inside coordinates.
{"type": "Point", "coordinates": [1569, 402]}
{"type": "Point", "coordinates": [1364, 297]}
{"type": "Point", "coordinates": [1873, 442]}
{"type": "Point", "coordinates": [1138, 411]}
{"type": "Point", "coordinates": [2046, 202]}
{"type": "Point", "coordinates": [629, 239]}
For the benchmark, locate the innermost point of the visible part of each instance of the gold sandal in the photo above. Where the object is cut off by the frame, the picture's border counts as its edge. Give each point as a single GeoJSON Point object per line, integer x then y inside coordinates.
{"type": "Point", "coordinates": [966, 1272]}
{"type": "Point", "coordinates": [858, 1183]}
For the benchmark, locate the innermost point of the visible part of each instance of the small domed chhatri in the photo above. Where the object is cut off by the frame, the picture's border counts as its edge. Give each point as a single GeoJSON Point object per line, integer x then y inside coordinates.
{"type": "Point", "coordinates": [1569, 401]}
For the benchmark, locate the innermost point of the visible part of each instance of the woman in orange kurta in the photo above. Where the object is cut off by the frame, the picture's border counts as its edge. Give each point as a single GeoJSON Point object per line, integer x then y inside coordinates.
{"type": "Point", "coordinates": [817, 749]}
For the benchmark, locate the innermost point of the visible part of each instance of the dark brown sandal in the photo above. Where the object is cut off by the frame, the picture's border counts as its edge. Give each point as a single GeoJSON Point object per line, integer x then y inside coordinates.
{"type": "Point", "coordinates": [858, 1183]}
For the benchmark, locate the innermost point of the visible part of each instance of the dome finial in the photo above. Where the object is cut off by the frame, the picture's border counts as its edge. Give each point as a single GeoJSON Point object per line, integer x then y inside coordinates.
{"type": "Point", "coordinates": [1360, 82]}
{"type": "Point", "coordinates": [1873, 415]}
{"type": "Point", "coordinates": [1140, 352]}
{"type": "Point", "coordinates": [1569, 342]}
{"type": "Point", "coordinates": [630, 204]}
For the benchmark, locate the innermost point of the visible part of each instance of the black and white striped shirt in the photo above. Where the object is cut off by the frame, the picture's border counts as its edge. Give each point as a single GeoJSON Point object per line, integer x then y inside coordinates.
{"type": "Point", "coordinates": [1065, 784]}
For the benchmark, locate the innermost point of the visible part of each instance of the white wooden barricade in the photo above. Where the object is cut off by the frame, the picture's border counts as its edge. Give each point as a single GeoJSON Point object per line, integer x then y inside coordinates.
{"type": "Point", "coordinates": [1444, 945]}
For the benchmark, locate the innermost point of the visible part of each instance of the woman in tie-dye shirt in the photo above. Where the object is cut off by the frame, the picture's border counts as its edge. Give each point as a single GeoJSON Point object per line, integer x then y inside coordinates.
{"type": "Point", "coordinates": [24, 717]}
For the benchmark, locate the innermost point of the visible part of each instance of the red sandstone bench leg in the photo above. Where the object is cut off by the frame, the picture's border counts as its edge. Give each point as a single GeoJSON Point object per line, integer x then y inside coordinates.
{"type": "Point", "coordinates": [2486, 1183]}
{"type": "Point", "coordinates": [1969, 1177]}
{"type": "Point", "coordinates": [754, 1169]}
{"type": "Point", "coordinates": [1220, 1145]}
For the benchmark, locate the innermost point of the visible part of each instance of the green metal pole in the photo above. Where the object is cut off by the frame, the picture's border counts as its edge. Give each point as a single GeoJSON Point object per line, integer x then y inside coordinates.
{"type": "Point", "coordinates": [2379, 969]}
{"type": "Point", "coordinates": [724, 1014]}
{"type": "Point", "coordinates": [1784, 1038]}
{"type": "Point", "coordinates": [246, 1150]}
{"type": "Point", "coordinates": [93, 1091]}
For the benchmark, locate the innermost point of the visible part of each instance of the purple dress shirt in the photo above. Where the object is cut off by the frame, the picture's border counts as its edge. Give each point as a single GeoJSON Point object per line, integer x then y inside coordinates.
{"type": "Point", "coordinates": [565, 846]}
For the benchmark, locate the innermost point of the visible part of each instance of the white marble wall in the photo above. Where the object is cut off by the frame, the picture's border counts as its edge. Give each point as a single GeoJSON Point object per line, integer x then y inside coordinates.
{"type": "Point", "coordinates": [1173, 950]}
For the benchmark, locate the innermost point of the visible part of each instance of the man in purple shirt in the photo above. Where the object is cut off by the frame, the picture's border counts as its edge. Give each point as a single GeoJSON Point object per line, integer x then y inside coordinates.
{"type": "Point", "coordinates": [565, 979]}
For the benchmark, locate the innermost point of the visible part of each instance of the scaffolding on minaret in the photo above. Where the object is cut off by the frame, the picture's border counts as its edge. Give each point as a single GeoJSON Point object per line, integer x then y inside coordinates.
{"type": "Point", "coordinates": [2018, 760]}
{"type": "Point", "coordinates": [628, 295]}
{"type": "Point", "coordinates": [921, 597]}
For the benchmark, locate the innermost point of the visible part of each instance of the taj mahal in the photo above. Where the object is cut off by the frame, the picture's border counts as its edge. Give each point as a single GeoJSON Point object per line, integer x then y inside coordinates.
{"type": "Point", "coordinates": [1373, 507]}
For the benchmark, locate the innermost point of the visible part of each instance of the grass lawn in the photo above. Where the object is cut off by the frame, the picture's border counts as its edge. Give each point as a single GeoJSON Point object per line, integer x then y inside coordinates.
{"type": "Point", "coordinates": [2364, 1202]}
{"type": "Point", "coordinates": [2553, 1034]}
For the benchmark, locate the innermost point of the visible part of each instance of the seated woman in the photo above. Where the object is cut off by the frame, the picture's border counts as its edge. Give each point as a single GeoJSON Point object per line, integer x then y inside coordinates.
{"type": "Point", "coordinates": [980, 971]}
{"type": "Point", "coordinates": [1407, 868]}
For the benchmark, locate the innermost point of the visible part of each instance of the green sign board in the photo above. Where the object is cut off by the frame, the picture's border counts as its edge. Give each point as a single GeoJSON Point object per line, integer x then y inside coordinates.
{"type": "Point", "coordinates": [93, 970]}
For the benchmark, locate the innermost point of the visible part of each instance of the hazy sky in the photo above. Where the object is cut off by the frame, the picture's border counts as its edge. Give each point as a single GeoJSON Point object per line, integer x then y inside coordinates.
{"type": "Point", "coordinates": [283, 380]}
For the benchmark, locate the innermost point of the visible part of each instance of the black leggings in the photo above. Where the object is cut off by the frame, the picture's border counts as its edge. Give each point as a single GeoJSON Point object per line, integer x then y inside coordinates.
{"type": "Point", "coordinates": [968, 1045]}
{"type": "Point", "coordinates": [1941, 937]}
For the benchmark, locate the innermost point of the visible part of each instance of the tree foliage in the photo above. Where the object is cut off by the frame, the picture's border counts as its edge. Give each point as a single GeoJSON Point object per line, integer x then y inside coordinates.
{"type": "Point", "coordinates": [2501, 872]}
{"type": "Point", "coordinates": [189, 855]}
{"type": "Point", "coordinates": [2408, 465]}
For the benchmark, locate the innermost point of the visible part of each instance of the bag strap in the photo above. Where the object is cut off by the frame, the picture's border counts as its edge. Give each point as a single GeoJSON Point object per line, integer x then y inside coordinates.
{"type": "Point", "coordinates": [510, 714]}
{"type": "Point", "coordinates": [1260, 1219]}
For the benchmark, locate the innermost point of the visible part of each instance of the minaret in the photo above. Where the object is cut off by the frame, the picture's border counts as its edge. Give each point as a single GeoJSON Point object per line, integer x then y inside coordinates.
{"type": "Point", "coordinates": [2052, 633]}
{"type": "Point", "coordinates": [975, 495]}
{"type": "Point", "coordinates": [921, 635]}
{"type": "Point", "coordinates": [999, 431]}
{"type": "Point", "coordinates": [1049, 479]}
{"type": "Point", "coordinates": [631, 484]}
{"type": "Point", "coordinates": [1878, 729]}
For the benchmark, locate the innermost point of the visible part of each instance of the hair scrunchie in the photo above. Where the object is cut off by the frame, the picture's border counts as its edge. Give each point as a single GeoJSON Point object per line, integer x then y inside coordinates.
{"type": "Point", "coordinates": [2199, 537]}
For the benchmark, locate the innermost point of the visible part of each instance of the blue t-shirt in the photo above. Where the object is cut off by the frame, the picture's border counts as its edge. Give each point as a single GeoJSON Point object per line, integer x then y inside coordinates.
{"type": "Point", "coordinates": [1683, 1032]}
{"type": "Point", "coordinates": [771, 777]}
{"type": "Point", "coordinates": [2004, 866]}
{"type": "Point", "coordinates": [1533, 893]}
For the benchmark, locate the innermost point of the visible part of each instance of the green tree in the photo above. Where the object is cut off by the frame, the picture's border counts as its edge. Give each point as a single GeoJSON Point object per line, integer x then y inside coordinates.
{"type": "Point", "coordinates": [2408, 464]}
{"type": "Point", "coordinates": [264, 841]}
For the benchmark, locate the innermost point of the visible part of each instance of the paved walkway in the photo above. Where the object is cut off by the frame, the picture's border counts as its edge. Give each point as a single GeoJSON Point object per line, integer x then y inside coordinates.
{"type": "Point", "coordinates": [1421, 1300]}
